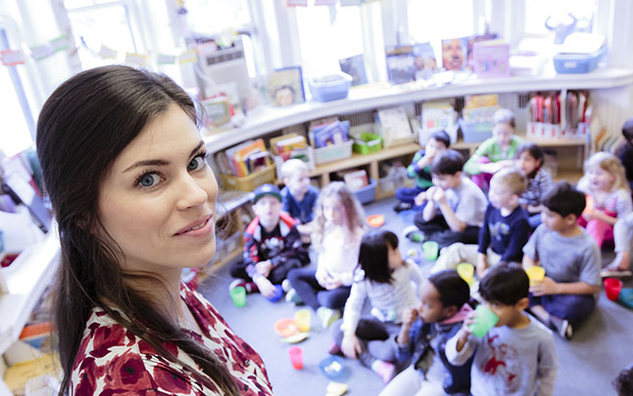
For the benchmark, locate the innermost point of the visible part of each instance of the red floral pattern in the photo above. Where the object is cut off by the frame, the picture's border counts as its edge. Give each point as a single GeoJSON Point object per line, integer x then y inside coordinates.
{"type": "Point", "coordinates": [112, 361]}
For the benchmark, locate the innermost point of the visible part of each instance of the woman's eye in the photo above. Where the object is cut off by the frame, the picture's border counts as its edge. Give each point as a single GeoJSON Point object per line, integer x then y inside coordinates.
{"type": "Point", "coordinates": [148, 180]}
{"type": "Point", "coordinates": [196, 163]}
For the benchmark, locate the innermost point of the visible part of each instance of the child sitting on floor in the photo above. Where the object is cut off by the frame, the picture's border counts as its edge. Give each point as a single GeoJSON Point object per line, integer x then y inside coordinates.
{"type": "Point", "coordinates": [494, 153]}
{"type": "Point", "coordinates": [622, 232]}
{"type": "Point", "coordinates": [455, 206]}
{"type": "Point", "coordinates": [623, 384]}
{"type": "Point", "coordinates": [299, 196]}
{"type": "Point", "coordinates": [529, 161]}
{"type": "Point", "coordinates": [420, 169]}
{"type": "Point", "coordinates": [385, 279]}
{"type": "Point", "coordinates": [609, 197]}
{"type": "Point", "coordinates": [624, 151]}
{"type": "Point", "coordinates": [272, 246]}
{"type": "Point", "coordinates": [423, 336]}
{"type": "Point", "coordinates": [571, 259]}
{"type": "Point", "coordinates": [517, 357]}
{"type": "Point", "coordinates": [505, 230]}
{"type": "Point", "coordinates": [339, 227]}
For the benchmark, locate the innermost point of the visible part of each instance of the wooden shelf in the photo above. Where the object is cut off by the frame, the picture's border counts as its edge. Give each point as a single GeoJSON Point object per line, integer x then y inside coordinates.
{"type": "Point", "coordinates": [570, 175]}
{"type": "Point", "coordinates": [360, 160]}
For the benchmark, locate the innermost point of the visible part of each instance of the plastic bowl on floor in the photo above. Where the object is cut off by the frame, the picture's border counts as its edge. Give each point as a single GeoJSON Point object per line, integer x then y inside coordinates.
{"type": "Point", "coordinates": [376, 220]}
{"type": "Point", "coordinates": [286, 327]}
{"type": "Point", "coordinates": [334, 369]}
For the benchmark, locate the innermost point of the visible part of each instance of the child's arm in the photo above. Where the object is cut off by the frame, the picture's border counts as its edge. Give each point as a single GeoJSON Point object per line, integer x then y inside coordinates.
{"type": "Point", "coordinates": [550, 286]}
{"type": "Point", "coordinates": [530, 253]}
{"type": "Point", "coordinates": [473, 166]}
{"type": "Point", "coordinates": [293, 253]}
{"type": "Point", "coordinates": [462, 346]}
{"type": "Point", "coordinates": [351, 316]}
{"type": "Point", "coordinates": [455, 224]}
{"type": "Point", "coordinates": [430, 210]}
{"type": "Point", "coordinates": [415, 275]}
{"type": "Point", "coordinates": [547, 367]}
{"type": "Point", "coordinates": [483, 243]}
{"type": "Point", "coordinates": [407, 335]}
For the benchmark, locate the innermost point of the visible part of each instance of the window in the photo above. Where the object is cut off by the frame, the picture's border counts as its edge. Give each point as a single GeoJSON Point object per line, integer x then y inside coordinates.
{"type": "Point", "coordinates": [214, 17]}
{"type": "Point", "coordinates": [431, 21]}
{"type": "Point", "coordinates": [537, 12]}
{"type": "Point", "coordinates": [327, 34]}
{"type": "Point", "coordinates": [18, 128]}
{"type": "Point", "coordinates": [99, 23]}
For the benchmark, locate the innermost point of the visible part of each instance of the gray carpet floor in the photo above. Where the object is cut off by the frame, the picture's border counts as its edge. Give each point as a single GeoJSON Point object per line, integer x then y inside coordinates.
{"type": "Point", "coordinates": [588, 363]}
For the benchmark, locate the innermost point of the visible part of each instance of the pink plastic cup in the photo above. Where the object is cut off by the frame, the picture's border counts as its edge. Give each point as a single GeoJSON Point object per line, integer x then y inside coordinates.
{"type": "Point", "coordinates": [296, 357]}
{"type": "Point", "coordinates": [612, 287]}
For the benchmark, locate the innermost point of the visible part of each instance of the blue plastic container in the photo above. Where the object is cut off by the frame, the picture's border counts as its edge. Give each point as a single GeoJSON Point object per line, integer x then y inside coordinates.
{"type": "Point", "coordinates": [578, 63]}
{"type": "Point", "coordinates": [367, 194]}
{"type": "Point", "coordinates": [475, 131]}
{"type": "Point", "coordinates": [330, 87]}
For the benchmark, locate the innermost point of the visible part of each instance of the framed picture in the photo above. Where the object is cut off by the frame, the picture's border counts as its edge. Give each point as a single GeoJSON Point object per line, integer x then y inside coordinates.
{"type": "Point", "coordinates": [355, 67]}
{"type": "Point", "coordinates": [285, 86]}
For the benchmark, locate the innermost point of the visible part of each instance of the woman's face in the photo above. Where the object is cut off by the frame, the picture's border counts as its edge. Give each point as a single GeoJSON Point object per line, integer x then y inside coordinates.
{"type": "Point", "coordinates": [158, 200]}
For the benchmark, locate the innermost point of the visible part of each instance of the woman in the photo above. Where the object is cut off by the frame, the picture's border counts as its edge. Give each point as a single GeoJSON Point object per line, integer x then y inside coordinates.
{"type": "Point", "coordinates": [134, 198]}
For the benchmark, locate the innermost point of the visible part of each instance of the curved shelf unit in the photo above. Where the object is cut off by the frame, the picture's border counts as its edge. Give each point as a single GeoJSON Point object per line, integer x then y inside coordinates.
{"type": "Point", "coordinates": [26, 278]}
{"type": "Point", "coordinates": [267, 119]}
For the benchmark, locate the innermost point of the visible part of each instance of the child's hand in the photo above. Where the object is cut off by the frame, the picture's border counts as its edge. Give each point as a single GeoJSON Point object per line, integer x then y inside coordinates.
{"type": "Point", "coordinates": [266, 288]}
{"type": "Point", "coordinates": [420, 198]}
{"type": "Point", "coordinates": [545, 287]}
{"type": "Point", "coordinates": [351, 346]}
{"type": "Point", "coordinates": [409, 316]}
{"type": "Point", "coordinates": [505, 164]}
{"type": "Point", "coordinates": [439, 196]}
{"type": "Point", "coordinates": [322, 278]}
{"type": "Point", "coordinates": [263, 268]}
{"type": "Point", "coordinates": [333, 284]}
{"type": "Point", "coordinates": [482, 268]}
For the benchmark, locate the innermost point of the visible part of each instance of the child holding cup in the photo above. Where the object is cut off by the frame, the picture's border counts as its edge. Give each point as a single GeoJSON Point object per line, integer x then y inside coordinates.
{"type": "Point", "coordinates": [515, 357]}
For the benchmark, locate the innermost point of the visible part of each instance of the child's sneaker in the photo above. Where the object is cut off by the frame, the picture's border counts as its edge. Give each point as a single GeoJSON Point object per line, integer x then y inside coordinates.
{"type": "Point", "coordinates": [562, 327]}
{"type": "Point", "coordinates": [402, 206]}
{"type": "Point", "coordinates": [384, 369]}
{"type": "Point", "coordinates": [293, 297]}
{"type": "Point", "coordinates": [335, 349]}
{"type": "Point", "coordinates": [413, 234]}
{"type": "Point", "coordinates": [250, 287]}
{"type": "Point", "coordinates": [286, 285]}
{"type": "Point", "coordinates": [327, 316]}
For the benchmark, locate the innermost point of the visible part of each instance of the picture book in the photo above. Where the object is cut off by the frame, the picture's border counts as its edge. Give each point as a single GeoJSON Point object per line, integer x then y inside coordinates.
{"type": "Point", "coordinates": [356, 179]}
{"type": "Point", "coordinates": [454, 53]}
{"type": "Point", "coordinates": [424, 61]}
{"type": "Point", "coordinates": [470, 63]}
{"type": "Point", "coordinates": [285, 87]}
{"type": "Point", "coordinates": [355, 67]}
{"type": "Point", "coordinates": [332, 134]}
{"type": "Point", "coordinates": [400, 64]}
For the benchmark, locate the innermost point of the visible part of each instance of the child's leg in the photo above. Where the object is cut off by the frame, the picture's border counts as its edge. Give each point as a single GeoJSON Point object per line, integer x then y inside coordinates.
{"type": "Point", "coordinates": [622, 238]}
{"type": "Point", "coordinates": [407, 383]}
{"type": "Point", "coordinates": [455, 254]}
{"type": "Point", "coordinates": [483, 179]}
{"type": "Point", "coordinates": [280, 272]}
{"type": "Point", "coordinates": [573, 307]}
{"type": "Point", "coordinates": [598, 230]}
{"type": "Point", "coordinates": [436, 224]}
{"type": "Point", "coordinates": [333, 299]}
{"type": "Point", "coordinates": [449, 237]}
{"type": "Point", "coordinates": [408, 194]}
{"type": "Point", "coordinates": [304, 282]}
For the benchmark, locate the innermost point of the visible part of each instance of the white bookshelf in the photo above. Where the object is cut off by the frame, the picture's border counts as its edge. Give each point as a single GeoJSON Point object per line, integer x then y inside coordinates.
{"type": "Point", "coordinates": [267, 119]}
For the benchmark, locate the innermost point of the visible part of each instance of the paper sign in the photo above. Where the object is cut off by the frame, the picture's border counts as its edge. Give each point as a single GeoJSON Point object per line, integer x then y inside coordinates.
{"type": "Point", "coordinates": [107, 52]}
{"type": "Point", "coordinates": [136, 59]}
{"type": "Point", "coordinates": [41, 51]}
{"type": "Point", "coordinates": [59, 43]}
{"type": "Point", "coordinates": [164, 59]}
{"type": "Point", "coordinates": [12, 58]}
{"type": "Point", "coordinates": [295, 3]}
{"type": "Point", "coordinates": [187, 57]}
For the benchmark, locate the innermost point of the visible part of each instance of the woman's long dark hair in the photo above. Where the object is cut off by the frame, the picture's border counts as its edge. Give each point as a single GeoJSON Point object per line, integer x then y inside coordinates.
{"type": "Point", "coordinates": [83, 127]}
{"type": "Point", "coordinates": [373, 256]}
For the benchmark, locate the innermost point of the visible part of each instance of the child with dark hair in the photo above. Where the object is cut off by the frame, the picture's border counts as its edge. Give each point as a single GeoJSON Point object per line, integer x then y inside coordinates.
{"type": "Point", "coordinates": [623, 384]}
{"type": "Point", "coordinates": [571, 259]}
{"type": "Point", "coordinates": [423, 337]}
{"type": "Point", "coordinates": [420, 169]}
{"type": "Point", "coordinates": [454, 207]}
{"type": "Point", "coordinates": [529, 161]}
{"type": "Point", "coordinates": [625, 151]}
{"type": "Point", "coordinates": [385, 279]}
{"type": "Point", "coordinates": [517, 356]}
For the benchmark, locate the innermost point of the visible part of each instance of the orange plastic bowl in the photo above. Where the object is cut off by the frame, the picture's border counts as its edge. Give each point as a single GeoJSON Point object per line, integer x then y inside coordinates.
{"type": "Point", "coordinates": [376, 220]}
{"type": "Point", "coordinates": [286, 327]}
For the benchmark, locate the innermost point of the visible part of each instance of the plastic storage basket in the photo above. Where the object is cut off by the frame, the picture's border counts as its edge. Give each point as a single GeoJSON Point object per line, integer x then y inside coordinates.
{"type": "Point", "coordinates": [578, 63]}
{"type": "Point", "coordinates": [367, 194]}
{"type": "Point", "coordinates": [248, 183]}
{"type": "Point", "coordinates": [333, 153]}
{"type": "Point", "coordinates": [330, 87]}
{"type": "Point", "coordinates": [367, 143]}
{"type": "Point", "coordinates": [475, 131]}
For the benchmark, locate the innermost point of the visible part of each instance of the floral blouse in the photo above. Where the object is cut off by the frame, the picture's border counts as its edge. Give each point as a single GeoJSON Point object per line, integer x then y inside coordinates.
{"type": "Point", "coordinates": [111, 360]}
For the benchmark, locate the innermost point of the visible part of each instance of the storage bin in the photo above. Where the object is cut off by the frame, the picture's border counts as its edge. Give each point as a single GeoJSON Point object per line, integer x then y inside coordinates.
{"type": "Point", "coordinates": [475, 131]}
{"type": "Point", "coordinates": [248, 183]}
{"type": "Point", "coordinates": [330, 87]}
{"type": "Point", "coordinates": [367, 194]}
{"type": "Point", "coordinates": [578, 63]}
{"type": "Point", "coordinates": [333, 153]}
{"type": "Point", "coordinates": [367, 143]}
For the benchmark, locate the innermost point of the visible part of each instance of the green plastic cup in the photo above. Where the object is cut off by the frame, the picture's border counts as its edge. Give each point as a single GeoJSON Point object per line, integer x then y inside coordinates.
{"type": "Point", "coordinates": [238, 295]}
{"type": "Point", "coordinates": [484, 321]}
{"type": "Point", "coordinates": [431, 249]}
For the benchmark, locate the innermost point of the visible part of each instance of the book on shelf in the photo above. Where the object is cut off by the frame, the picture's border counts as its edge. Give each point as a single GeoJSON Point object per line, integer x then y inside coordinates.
{"type": "Point", "coordinates": [394, 126]}
{"type": "Point", "coordinates": [356, 179]}
{"type": "Point", "coordinates": [332, 134]}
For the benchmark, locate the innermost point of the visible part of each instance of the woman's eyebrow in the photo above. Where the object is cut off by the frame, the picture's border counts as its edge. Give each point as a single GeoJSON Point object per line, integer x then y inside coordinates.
{"type": "Point", "coordinates": [159, 162]}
